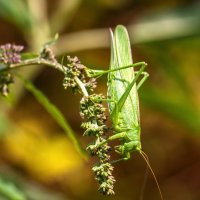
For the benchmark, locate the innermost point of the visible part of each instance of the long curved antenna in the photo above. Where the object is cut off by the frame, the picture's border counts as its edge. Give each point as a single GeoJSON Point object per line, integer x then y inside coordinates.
{"type": "Point", "coordinates": [144, 182]}
{"type": "Point", "coordinates": [145, 157]}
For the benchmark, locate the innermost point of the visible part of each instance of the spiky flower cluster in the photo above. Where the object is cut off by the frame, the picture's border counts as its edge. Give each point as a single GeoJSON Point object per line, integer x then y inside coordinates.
{"type": "Point", "coordinates": [10, 53]}
{"type": "Point", "coordinates": [76, 69]}
{"type": "Point", "coordinates": [104, 176]}
{"type": "Point", "coordinates": [93, 112]}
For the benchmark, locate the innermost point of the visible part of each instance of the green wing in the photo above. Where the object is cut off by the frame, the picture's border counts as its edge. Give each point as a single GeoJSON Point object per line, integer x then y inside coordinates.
{"type": "Point", "coordinates": [119, 81]}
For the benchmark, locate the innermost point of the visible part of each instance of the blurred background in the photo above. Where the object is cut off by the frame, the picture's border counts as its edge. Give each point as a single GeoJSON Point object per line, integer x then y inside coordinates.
{"type": "Point", "coordinates": [37, 159]}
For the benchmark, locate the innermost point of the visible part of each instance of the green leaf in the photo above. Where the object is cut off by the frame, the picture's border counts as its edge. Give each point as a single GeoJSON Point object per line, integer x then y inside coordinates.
{"type": "Point", "coordinates": [10, 191]}
{"type": "Point", "coordinates": [55, 113]}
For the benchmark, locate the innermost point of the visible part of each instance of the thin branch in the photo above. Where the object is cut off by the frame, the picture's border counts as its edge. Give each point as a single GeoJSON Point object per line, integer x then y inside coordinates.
{"type": "Point", "coordinates": [41, 61]}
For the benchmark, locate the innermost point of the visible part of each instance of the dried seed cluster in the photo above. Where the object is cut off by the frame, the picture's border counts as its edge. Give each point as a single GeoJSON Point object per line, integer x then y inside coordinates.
{"type": "Point", "coordinates": [74, 69]}
{"type": "Point", "coordinates": [92, 110]}
{"type": "Point", "coordinates": [104, 176]}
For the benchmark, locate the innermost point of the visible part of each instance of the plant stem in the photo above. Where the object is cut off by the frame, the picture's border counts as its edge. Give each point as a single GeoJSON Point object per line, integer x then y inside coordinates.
{"type": "Point", "coordinates": [41, 61]}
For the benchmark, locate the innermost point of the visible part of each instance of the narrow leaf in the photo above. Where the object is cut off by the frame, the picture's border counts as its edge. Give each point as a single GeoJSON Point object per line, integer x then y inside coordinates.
{"type": "Point", "coordinates": [55, 113]}
{"type": "Point", "coordinates": [10, 191]}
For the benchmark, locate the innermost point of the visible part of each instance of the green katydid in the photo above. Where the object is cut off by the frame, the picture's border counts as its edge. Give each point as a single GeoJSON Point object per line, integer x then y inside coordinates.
{"type": "Point", "coordinates": [123, 99]}
{"type": "Point", "coordinates": [122, 88]}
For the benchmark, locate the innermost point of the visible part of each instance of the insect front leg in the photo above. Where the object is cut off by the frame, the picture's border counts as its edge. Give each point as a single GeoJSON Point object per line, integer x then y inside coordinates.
{"type": "Point", "coordinates": [145, 76]}
{"type": "Point", "coordinates": [98, 73]}
{"type": "Point", "coordinates": [120, 149]}
{"type": "Point", "coordinates": [121, 159]}
{"type": "Point", "coordinates": [126, 147]}
{"type": "Point", "coordinates": [126, 93]}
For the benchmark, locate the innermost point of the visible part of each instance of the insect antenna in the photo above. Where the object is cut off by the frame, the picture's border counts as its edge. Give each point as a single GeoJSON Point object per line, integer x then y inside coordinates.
{"type": "Point", "coordinates": [145, 157]}
{"type": "Point", "coordinates": [144, 182]}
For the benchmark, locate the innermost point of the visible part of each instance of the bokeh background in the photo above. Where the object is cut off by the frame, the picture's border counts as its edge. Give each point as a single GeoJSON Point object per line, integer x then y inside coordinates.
{"type": "Point", "coordinates": [37, 159]}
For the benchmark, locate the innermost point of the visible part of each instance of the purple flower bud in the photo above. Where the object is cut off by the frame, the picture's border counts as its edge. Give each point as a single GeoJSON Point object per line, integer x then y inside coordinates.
{"type": "Point", "coordinates": [10, 53]}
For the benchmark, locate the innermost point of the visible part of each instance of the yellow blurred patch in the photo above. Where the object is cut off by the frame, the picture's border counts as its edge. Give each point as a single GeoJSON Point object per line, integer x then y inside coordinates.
{"type": "Point", "coordinates": [45, 156]}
